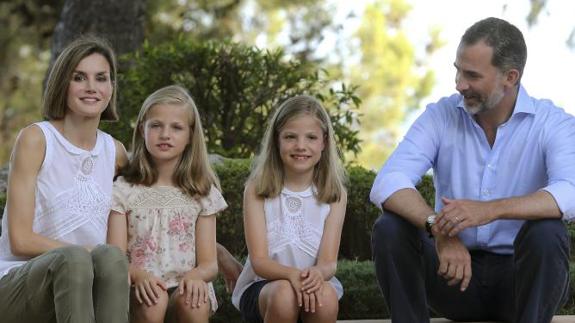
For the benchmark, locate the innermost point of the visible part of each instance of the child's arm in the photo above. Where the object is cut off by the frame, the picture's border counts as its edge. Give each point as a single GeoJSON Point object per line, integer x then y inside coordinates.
{"type": "Point", "coordinates": [229, 266]}
{"type": "Point", "coordinates": [194, 282]}
{"type": "Point", "coordinates": [314, 278]}
{"type": "Point", "coordinates": [256, 240]}
{"type": "Point", "coordinates": [326, 264]}
{"type": "Point", "coordinates": [118, 230]}
{"type": "Point", "coordinates": [146, 286]}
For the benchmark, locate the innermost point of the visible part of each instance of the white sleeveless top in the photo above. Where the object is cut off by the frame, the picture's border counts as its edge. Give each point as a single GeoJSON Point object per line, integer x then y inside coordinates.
{"type": "Point", "coordinates": [294, 223]}
{"type": "Point", "coordinates": [73, 194]}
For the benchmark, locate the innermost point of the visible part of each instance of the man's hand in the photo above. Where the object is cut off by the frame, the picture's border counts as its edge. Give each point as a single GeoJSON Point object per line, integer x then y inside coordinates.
{"type": "Point", "coordinates": [454, 261]}
{"type": "Point", "coordinates": [457, 215]}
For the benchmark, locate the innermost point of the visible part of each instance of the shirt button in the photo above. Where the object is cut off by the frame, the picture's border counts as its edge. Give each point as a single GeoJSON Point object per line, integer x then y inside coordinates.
{"type": "Point", "coordinates": [486, 192]}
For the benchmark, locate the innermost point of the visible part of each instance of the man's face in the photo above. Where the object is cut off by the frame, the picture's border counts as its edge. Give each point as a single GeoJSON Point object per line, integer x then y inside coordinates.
{"type": "Point", "coordinates": [481, 84]}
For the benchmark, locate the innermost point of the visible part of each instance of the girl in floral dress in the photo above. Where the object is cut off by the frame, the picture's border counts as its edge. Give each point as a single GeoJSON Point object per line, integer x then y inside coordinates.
{"type": "Point", "coordinates": [163, 213]}
{"type": "Point", "coordinates": [294, 206]}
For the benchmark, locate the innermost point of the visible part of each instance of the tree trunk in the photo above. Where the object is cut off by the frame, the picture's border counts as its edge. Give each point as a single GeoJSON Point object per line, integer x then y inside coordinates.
{"type": "Point", "coordinates": [121, 22]}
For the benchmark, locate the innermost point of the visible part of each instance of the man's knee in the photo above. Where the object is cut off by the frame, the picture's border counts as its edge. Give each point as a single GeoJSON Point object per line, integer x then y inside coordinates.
{"type": "Point", "coordinates": [390, 231]}
{"type": "Point", "coordinates": [547, 237]}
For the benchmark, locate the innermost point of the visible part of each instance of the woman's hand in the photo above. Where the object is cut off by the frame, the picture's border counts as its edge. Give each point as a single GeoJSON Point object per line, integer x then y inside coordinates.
{"type": "Point", "coordinates": [195, 290]}
{"type": "Point", "coordinates": [147, 287]}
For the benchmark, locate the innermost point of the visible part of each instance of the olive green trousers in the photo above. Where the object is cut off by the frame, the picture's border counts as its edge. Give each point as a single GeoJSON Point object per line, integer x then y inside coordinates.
{"type": "Point", "coordinates": [68, 285]}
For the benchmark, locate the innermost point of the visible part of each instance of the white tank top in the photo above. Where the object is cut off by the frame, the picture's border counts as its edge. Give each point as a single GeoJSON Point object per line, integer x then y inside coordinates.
{"type": "Point", "coordinates": [294, 224]}
{"type": "Point", "coordinates": [73, 194]}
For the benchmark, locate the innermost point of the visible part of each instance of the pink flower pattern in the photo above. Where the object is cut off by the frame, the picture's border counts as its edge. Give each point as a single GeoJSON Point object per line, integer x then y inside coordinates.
{"type": "Point", "coordinates": [161, 226]}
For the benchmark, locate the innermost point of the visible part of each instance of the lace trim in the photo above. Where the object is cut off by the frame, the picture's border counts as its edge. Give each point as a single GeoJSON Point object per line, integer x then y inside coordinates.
{"type": "Point", "coordinates": [290, 228]}
{"type": "Point", "coordinates": [163, 198]}
{"type": "Point", "coordinates": [84, 203]}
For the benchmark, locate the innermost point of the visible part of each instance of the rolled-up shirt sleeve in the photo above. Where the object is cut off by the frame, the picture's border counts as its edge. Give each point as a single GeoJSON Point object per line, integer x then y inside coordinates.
{"type": "Point", "coordinates": [413, 157]}
{"type": "Point", "coordinates": [560, 161]}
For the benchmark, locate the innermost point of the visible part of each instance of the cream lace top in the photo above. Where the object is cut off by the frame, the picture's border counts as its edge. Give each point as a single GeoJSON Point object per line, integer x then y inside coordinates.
{"type": "Point", "coordinates": [161, 228]}
{"type": "Point", "coordinates": [294, 223]}
{"type": "Point", "coordinates": [73, 194]}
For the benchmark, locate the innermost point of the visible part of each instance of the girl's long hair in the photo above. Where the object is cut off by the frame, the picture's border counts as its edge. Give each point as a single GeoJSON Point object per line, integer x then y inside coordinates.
{"type": "Point", "coordinates": [193, 174]}
{"type": "Point", "coordinates": [268, 173]}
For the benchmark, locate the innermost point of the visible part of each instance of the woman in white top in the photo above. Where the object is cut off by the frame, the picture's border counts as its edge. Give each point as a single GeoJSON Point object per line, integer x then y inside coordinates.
{"type": "Point", "coordinates": [52, 264]}
{"type": "Point", "coordinates": [294, 207]}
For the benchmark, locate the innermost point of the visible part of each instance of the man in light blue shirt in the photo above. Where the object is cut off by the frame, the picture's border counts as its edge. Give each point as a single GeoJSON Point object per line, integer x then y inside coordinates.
{"type": "Point", "coordinates": [504, 174]}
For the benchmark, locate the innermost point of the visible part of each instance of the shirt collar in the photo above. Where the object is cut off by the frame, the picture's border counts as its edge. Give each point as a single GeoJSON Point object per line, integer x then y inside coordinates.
{"type": "Point", "coordinates": [523, 104]}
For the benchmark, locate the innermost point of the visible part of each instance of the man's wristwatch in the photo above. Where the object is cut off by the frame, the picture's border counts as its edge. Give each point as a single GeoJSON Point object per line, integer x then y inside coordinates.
{"type": "Point", "coordinates": [429, 222]}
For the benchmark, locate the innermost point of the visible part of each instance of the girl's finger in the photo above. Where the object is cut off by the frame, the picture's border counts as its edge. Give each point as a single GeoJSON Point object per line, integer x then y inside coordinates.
{"type": "Point", "coordinates": [181, 287]}
{"type": "Point", "coordinates": [151, 291]}
{"type": "Point", "coordinates": [306, 302]}
{"type": "Point", "coordinates": [145, 295]}
{"type": "Point", "coordinates": [137, 293]}
{"type": "Point", "coordinates": [196, 296]}
{"type": "Point", "coordinates": [312, 302]}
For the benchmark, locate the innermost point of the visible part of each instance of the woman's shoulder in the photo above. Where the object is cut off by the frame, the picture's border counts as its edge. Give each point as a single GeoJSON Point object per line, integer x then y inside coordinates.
{"type": "Point", "coordinates": [31, 140]}
{"type": "Point", "coordinates": [32, 133]}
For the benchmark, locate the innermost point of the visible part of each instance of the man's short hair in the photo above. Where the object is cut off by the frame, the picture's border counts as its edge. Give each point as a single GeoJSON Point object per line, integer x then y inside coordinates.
{"type": "Point", "coordinates": [509, 49]}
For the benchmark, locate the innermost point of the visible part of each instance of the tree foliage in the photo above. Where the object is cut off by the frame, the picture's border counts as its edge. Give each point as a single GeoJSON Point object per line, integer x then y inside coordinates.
{"type": "Point", "coordinates": [235, 88]}
{"type": "Point", "coordinates": [393, 80]}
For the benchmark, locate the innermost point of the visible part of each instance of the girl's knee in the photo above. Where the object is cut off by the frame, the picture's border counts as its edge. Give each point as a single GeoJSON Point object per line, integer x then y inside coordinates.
{"type": "Point", "coordinates": [329, 304]}
{"type": "Point", "coordinates": [192, 314]}
{"type": "Point", "coordinates": [153, 313]}
{"type": "Point", "coordinates": [280, 300]}
{"type": "Point", "coordinates": [282, 293]}
{"type": "Point", "coordinates": [329, 308]}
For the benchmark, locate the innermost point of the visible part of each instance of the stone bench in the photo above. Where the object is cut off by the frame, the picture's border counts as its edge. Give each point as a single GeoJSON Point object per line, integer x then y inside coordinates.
{"type": "Point", "coordinates": [556, 319]}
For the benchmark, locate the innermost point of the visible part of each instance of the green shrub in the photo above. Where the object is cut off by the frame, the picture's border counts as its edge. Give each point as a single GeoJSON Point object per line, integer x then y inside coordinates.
{"type": "Point", "coordinates": [235, 88]}
{"type": "Point", "coordinates": [233, 174]}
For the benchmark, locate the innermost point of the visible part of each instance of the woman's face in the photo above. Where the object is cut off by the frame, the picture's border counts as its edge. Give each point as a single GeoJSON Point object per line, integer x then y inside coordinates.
{"type": "Point", "coordinates": [90, 88]}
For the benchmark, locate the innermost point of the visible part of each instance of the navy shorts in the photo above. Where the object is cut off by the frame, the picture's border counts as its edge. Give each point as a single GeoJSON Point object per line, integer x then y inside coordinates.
{"type": "Point", "coordinates": [249, 303]}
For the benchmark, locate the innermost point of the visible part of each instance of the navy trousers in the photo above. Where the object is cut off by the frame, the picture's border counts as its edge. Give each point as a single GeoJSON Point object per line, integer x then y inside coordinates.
{"type": "Point", "coordinates": [529, 286]}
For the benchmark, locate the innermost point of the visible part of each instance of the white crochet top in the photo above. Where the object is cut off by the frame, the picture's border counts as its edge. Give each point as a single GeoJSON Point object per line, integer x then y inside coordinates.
{"type": "Point", "coordinates": [73, 194]}
{"type": "Point", "coordinates": [294, 222]}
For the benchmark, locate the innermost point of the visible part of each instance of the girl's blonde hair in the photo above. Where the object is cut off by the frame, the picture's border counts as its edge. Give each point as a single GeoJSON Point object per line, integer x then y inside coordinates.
{"type": "Point", "coordinates": [268, 173]}
{"type": "Point", "coordinates": [193, 174]}
{"type": "Point", "coordinates": [54, 102]}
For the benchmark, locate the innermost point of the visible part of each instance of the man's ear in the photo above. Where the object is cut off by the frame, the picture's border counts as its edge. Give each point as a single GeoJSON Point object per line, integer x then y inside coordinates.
{"type": "Point", "coordinates": [512, 76]}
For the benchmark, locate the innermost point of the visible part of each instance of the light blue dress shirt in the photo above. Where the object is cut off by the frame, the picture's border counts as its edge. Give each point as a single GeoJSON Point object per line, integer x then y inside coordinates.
{"type": "Point", "coordinates": [534, 150]}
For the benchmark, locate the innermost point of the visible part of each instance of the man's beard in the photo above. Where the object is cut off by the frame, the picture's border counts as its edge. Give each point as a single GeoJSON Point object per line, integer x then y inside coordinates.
{"type": "Point", "coordinates": [484, 105]}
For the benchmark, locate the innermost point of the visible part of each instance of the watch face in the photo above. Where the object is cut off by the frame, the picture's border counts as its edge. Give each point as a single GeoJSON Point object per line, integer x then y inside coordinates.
{"type": "Point", "coordinates": [431, 219]}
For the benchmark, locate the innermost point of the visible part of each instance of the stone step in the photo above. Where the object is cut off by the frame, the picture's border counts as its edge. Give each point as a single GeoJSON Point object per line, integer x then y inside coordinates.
{"type": "Point", "coordinates": [556, 319]}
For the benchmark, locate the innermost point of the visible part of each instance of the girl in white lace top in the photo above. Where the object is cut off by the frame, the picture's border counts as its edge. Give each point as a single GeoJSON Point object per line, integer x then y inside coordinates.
{"type": "Point", "coordinates": [54, 266]}
{"type": "Point", "coordinates": [163, 212]}
{"type": "Point", "coordinates": [294, 207]}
